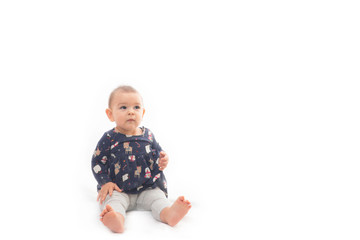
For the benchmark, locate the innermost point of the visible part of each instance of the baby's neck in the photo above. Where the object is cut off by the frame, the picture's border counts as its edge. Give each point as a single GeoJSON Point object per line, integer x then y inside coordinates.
{"type": "Point", "coordinates": [137, 131]}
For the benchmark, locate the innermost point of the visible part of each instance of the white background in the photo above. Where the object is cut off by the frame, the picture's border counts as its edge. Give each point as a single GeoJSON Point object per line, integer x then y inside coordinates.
{"type": "Point", "coordinates": [256, 103]}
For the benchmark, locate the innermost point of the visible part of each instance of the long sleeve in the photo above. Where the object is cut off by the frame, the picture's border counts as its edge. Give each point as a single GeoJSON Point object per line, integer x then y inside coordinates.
{"type": "Point", "coordinates": [100, 161]}
{"type": "Point", "coordinates": [159, 175]}
{"type": "Point", "coordinates": [155, 144]}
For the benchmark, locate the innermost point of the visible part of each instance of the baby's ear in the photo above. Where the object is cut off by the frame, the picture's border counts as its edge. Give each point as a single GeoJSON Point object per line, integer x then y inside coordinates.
{"type": "Point", "coordinates": [143, 112]}
{"type": "Point", "coordinates": [109, 114]}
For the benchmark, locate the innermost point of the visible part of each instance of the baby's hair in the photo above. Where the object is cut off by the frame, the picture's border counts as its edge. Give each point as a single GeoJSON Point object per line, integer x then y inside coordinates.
{"type": "Point", "coordinates": [123, 88]}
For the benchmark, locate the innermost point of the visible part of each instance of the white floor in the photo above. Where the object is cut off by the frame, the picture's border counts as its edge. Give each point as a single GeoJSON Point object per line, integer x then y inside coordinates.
{"type": "Point", "coordinates": [256, 102]}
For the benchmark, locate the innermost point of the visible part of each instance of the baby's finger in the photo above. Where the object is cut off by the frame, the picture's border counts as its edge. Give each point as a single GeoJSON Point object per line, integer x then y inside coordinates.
{"type": "Point", "coordinates": [117, 188]}
{"type": "Point", "coordinates": [163, 164]}
{"type": "Point", "coordinates": [102, 199]}
{"type": "Point", "coordinates": [98, 196]}
{"type": "Point", "coordinates": [111, 191]}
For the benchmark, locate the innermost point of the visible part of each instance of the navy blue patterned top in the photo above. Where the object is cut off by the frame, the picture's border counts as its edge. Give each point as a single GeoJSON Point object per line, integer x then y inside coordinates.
{"type": "Point", "coordinates": [132, 162]}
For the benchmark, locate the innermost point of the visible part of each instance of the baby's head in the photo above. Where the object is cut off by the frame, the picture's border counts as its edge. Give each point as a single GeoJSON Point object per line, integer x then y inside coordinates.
{"type": "Point", "coordinates": [126, 109]}
{"type": "Point", "coordinates": [123, 89]}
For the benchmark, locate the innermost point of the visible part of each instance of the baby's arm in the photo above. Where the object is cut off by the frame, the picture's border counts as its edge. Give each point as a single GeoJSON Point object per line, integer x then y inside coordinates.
{"type": "Point", "coordinates": [100, 166]}
{"type": "Point", "coordinates": [164, 158]}
{"type": "Point", "coordinates": [99, 161]}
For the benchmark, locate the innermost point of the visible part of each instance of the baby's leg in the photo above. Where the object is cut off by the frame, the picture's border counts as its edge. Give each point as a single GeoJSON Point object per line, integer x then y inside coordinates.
{"type": "Point", "coordinates": [172, 215]}
{"type": "Point", "coordinates": [156, 201]}
{"type": "Point", "coordinates": [152, 200]}
{"type": "Point", "coordinates": [114, 211]}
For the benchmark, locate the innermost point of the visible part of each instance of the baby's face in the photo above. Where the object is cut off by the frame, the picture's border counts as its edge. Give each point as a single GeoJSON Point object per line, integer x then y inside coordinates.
{"type": "Point", "coordinates": [127, 111]}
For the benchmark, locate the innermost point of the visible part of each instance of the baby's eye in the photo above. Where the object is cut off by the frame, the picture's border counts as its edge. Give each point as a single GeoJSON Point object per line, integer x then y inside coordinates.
{"type": "Point", "coordinates": [137, 107]}
{"type": "Point", "coordinates": [123, 107]}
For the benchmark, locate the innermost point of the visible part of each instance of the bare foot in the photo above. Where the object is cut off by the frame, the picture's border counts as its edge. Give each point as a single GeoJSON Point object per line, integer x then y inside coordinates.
{"type": "Point", "coordinates": [113, 220]}
{"type": "Point", "coordinates": [172, 215]}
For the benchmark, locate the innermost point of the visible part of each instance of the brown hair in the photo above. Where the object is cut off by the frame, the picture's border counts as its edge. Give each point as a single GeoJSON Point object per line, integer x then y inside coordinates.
{"type": "Point", "coordinates": [123, 88]}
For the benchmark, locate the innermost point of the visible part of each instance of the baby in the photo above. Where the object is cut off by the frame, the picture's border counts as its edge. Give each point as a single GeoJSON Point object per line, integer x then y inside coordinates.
{"type": "Point", "coordinates": [128, 165]}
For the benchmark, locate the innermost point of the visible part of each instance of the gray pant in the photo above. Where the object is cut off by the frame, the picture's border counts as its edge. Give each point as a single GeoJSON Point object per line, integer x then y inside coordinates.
{"type": "Point", "coordinates": [151, 199]}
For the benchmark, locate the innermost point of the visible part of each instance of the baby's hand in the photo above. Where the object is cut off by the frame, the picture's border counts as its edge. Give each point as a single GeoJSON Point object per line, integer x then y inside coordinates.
{"type": "Point", "coordinates": [105, 189]}
{"type": "Point", "coordinates": [164, 160]}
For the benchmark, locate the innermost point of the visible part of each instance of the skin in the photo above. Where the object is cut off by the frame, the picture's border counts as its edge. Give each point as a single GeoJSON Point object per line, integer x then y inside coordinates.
{"type": "Point", "coordinates": [127, 112]}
